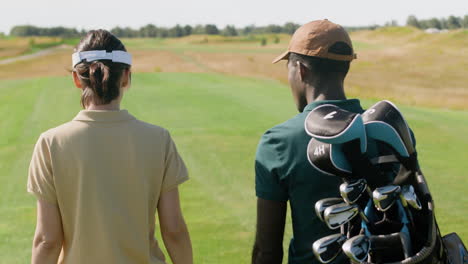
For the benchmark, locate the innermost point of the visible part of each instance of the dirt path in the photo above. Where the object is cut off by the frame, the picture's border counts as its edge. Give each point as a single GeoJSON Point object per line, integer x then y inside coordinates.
{"type": "Point", "coordinates": [34, 55]}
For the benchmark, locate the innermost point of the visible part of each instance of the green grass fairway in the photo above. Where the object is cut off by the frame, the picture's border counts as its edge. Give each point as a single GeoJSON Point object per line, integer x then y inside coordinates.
{"type": "Point", "coordinates": [216, 121]}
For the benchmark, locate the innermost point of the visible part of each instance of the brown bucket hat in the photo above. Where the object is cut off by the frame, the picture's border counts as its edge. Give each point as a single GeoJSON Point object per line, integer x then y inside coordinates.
{"type": "Point", "coordinates": [315, 39]}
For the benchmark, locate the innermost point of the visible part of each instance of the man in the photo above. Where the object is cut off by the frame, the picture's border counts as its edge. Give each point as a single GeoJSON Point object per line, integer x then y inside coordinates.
{"type": "Point", "coordinates": [318, 56]}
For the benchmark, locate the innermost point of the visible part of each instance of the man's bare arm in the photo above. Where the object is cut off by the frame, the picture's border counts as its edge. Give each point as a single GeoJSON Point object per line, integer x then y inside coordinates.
{"type": "Point", "coordinates": [268, 247]}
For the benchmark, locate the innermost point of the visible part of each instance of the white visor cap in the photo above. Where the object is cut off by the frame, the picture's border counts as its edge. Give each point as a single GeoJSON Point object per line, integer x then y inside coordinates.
{"type": "Point", "coordinates": [92, 55]}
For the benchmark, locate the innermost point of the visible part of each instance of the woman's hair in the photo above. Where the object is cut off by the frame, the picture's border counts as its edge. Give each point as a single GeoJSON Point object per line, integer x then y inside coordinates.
{"type": "Point", "coordinates": [100, 79]}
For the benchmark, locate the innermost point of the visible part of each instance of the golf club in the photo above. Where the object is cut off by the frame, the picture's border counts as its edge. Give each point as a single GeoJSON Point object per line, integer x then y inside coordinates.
{"type": "Point", "coordinates": [384, 197]}
{"type": "Point", "coordinates": [322, 204]}
{"type": "Point", "coordinates": [357, 248]}
{"type": "Point", "coordinates": [327, 248]}
{"type": "Point", "coordinates": [340, 214]}
{"type": "Point", "coordinates": [408, 197]}
{"type": "Point", "coordinates": [352, 191]}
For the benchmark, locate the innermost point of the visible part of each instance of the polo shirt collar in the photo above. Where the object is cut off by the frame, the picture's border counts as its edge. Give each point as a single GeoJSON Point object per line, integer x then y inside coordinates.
{"type": "Point", "coordinates": [104, 116]}
{"type": "Point", "coordinates": [352, 105]}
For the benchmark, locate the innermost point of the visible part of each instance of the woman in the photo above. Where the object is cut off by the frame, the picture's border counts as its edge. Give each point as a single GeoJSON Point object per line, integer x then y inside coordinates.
{"type": "Point", "coordinates": [100, 178]}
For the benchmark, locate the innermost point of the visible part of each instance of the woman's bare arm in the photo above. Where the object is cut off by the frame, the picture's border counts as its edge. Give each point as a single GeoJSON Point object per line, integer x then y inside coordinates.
{"type": "Point", "coordinates": [48, 238]}
{"type": "Point", "coordinates": [173, 228]}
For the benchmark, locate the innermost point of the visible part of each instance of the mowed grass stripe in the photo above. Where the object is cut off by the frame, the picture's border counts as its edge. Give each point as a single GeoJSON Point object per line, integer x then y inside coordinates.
{"type": "Point", "coordinates": [27, 109]}
{"type": "Point", "coordinates": [216, 121]}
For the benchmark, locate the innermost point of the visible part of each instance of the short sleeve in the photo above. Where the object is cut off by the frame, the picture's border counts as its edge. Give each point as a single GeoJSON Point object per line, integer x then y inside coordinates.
{"type": "Point", "coordinates": [175, 171]}
{"type": "Point", "coordinates": [268, 185]}
{"type": "Point", "coordinates": [40, 177]}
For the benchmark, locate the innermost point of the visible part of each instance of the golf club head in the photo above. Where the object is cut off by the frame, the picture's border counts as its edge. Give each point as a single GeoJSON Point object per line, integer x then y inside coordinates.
{"type": "Point", "coordinates": [327, 248]}
{"type": "Point", "coordinates": [340, 214]}
{"type": "Point", "coordinates": [323, 204]}
{"type": "Point", "coordinates": [352, 191]}
{"type": "Point", "coordinates": [409, 197]}
{"type": "Point", "coordinates": [357, 248]}
{"type": "Point", "coordinates": [384, 197]}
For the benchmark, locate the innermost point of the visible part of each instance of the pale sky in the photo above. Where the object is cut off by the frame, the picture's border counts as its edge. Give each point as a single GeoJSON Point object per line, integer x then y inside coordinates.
{"type": "Point", "coordinates": [89, 14]}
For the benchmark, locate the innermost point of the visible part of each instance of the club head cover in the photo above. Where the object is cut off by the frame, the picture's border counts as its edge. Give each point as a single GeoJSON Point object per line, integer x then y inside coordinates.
{"type": "Point", "coordinates": [328, 159]}
{"type": "Point", "coordinates": [384, 122]}
{"type": "Point", "coordinates": [330, 124]}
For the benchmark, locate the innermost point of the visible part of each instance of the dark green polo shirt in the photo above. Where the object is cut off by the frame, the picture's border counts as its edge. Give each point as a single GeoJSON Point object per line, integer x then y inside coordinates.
{"type": "Point", "coordinates": [283, 173]}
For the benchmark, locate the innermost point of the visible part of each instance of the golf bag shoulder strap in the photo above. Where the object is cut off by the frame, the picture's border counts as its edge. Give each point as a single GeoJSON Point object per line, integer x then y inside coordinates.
{"type": "Point", "coordinates": [330, 124]}
{"type": "Point", "coordinates": [328, 159]}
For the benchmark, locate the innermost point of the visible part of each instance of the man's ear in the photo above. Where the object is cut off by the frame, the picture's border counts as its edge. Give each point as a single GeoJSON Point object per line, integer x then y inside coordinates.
{"type": "Point", "coordinates": [302, 70]}
{"type": "Point", "coordinates": [76, 80]}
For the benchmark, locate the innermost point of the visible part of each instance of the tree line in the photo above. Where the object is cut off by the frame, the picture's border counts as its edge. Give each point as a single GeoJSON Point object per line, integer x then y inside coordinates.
{"type": "Point", "coordinates": [452, 22]}
{"type": "Point", "coordinates": [153, 31]}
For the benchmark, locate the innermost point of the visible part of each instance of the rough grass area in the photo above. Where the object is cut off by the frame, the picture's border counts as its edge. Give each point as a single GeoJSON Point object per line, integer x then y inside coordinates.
{"type": "Point", "coordinates": [216, 121]}
{"type": "Point", "coordinates": [11, 47]}
{"type": "Point", "coordinates": [400, 63]}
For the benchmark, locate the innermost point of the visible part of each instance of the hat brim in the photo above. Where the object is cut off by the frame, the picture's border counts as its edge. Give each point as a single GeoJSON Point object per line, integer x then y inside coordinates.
{"type": "Point", "coordinates": [283, 56]}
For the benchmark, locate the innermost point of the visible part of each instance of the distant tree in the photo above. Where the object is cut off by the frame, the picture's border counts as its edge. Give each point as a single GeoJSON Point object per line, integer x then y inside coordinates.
{"type": "Point", "coordinates": [148, 31]}
{"type": "Point", "coordinates": [22, 31]}
{"type": "Point", "coordinates": [413, 22]}
{"type": "Point", "coordinates": [453, 22]}
{"type": "Point", "coordinates": [443, 23]}
{"type": "Point", "coordinates": [423, 24]}
{"type": "Point", "coordinates": [290, 28]}
{"type": "Point", "coordinates": [187, 30]}
{"type": "Point", "coordinates": [465, 21]}
{"type": "Point", "coordinates": [211, 29]}
{"type": "Point", "coordinates": [263, 42]}
{"type": "Point", "coordinates": [117, 31]}
{"type": "Point", "coordinates": [198, 29]}
{"type": "Point", "coordinates": [391, 23]}
{"type": "Point", "coordinates": [434, 23]}
{"type": "Point", "coordinates": [28, 30]}
{"type": "Point", "coordinates": [230, 31]}
{"type": "Point", "coordinates": [273, 29]}
{"type": "Point", "coordinates": [176, 32]}
{"type": "Point", "coordinates": [248, 30]}
{"type": "Point", "coordinates": [2, 35]}
{"type": "Point", "coordinates": [163, 33]}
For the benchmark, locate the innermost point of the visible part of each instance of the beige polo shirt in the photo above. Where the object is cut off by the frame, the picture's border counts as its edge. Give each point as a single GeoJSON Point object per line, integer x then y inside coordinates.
{"type": "Point", "coordinates": [106, 171]}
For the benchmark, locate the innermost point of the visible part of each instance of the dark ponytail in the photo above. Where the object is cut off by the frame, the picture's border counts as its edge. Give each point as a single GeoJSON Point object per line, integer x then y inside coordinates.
{"type": "Point", "coordinates": [100, 80]}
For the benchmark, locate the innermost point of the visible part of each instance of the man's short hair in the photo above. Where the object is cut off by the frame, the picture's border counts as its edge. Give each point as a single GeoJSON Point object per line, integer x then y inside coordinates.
{"type": "Point", "coordinates": [322, 65]}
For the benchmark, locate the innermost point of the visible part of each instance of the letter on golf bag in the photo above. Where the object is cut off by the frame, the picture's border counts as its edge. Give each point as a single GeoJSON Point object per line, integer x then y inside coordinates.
{"type": "Point", "coordinates": [328, 158]}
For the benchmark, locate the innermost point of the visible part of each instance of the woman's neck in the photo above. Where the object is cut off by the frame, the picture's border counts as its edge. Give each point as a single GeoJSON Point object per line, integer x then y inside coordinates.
{"type": "Point", "coordinates": [112, 106]}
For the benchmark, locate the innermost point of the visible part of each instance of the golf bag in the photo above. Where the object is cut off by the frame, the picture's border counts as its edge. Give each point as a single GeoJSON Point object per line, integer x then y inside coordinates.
{"type": "Point", "coordinates": [374, 153]}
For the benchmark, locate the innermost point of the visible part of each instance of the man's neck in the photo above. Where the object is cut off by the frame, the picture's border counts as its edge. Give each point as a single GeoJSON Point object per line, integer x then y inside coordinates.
{"type": "Point", "coordinates": [325, 91]}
